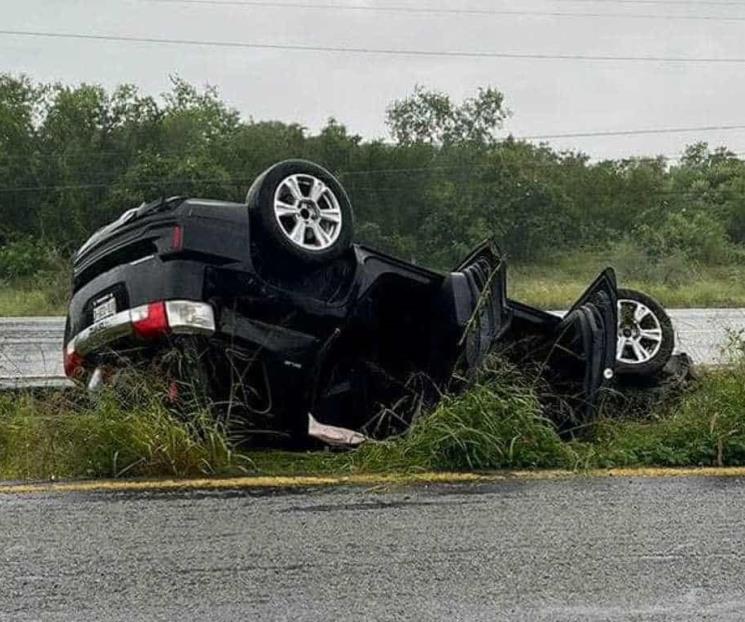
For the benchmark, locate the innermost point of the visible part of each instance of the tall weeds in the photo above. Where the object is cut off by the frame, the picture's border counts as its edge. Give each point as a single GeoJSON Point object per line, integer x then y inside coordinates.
{"type": "Point", "coordinates": [108, 436]}
{"type": "Point", "coordinates": [498, 423]}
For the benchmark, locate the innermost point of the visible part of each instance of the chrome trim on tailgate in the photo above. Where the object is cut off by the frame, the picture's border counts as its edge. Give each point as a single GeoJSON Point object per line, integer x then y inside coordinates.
{"type": "Point", "coordinates": [107, 330]}
{"type": "Point", "coordinates": [184, 317]}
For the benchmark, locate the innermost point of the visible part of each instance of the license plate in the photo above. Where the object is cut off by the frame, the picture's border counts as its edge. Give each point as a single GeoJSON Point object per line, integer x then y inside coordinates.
{"type": "Point", "coordinates": [103, 308]}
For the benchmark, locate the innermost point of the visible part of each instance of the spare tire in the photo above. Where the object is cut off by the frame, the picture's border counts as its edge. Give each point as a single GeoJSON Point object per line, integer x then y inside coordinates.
{"type": "Point", "coordinates": [301, 210]}
{"type": "Point", "coordinates": [646, 338]}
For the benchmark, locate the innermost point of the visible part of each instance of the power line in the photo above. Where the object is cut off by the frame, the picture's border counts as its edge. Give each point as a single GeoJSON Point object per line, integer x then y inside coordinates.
{"type": "Point", "coordinates": [129, 184]}
{"type": "Point", "coordinates": [552, 164]}
{"type": "Point", "coordinates": [237, 178]}
{"type": "Point", "coordinates": [411, 10]}
{"type": "Point", "coordinates": [371, 51]}
{"type": "Point", "coordinates": [148, 151]}
{"type": "Point", "coordinates": [729, 3]}
{"type": "Point", "coordinates": [670, 130]}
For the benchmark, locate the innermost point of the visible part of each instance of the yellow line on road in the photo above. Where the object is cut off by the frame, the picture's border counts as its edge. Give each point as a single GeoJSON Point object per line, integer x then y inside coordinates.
{"type": "Point", "coordinates": [255, 482]}
{"type": "Point", "coordinates": [363, 479]}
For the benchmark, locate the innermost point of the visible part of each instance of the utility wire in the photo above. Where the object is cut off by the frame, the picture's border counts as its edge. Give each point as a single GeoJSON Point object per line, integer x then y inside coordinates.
{"type": "Point", "coordinates": [242, 179]}
{"type": "Point", "coordinates": [233, 181]}
{"type": "Point", "coordinates": [550, 164]}
{"type": "Point", "coordinates": [666, 130]}
{"type": "Point", "coordinates": [148, 150]}
{"type": "Point", "coordinates": [371, 51]}
{"type": "Point", "coordinates": [413, 10]}
{"type": "Point", "coordinates": [499, 156]}
{"type": "Point", "coordinates": [127, 184]}
{"type": "Point", "coordinates": [729, 3]}
{"type": "Point", "coordinates": [558, 162]}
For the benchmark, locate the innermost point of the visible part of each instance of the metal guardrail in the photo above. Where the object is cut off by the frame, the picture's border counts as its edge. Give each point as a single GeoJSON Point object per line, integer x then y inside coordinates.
{"type": "Point", "coordinates": [31, 347]}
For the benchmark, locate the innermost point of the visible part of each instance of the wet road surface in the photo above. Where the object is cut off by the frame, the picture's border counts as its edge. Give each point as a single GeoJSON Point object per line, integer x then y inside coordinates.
{"type": "Point", "coordinates": [578, 549]}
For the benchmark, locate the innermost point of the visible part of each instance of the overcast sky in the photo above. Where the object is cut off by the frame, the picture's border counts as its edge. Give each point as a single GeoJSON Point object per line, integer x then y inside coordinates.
{"type": "Point", "coordinates": [546, 96]}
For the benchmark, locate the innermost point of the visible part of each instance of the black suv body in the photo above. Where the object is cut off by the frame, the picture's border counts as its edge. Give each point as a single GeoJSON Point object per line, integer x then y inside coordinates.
{"type": "Point", "coordinates": [297, 338]}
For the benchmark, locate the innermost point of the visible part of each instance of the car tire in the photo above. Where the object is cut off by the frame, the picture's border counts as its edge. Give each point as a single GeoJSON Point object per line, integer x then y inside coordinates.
{"type": "Point", "coordinates": [646, 338]}
{"type": "Point", "coordinates": [302, 211]}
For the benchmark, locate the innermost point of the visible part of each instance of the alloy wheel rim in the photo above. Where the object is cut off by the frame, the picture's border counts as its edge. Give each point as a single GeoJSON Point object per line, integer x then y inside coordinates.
{"type": "Point", "coordinates": [639, 333]}
{"type": "Point", "coordinates": [307, 212]}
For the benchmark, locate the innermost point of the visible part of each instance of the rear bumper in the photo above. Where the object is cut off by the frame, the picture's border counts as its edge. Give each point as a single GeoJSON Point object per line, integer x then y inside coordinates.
{"type": "Point", "coordinates": [143, 323]}
{"type": "Point", "coordinates": [136, 284]}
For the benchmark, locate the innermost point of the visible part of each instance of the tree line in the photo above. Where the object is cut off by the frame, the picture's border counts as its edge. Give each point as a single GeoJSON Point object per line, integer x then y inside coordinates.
{"type": "Point", "coordinates": [73, 158]}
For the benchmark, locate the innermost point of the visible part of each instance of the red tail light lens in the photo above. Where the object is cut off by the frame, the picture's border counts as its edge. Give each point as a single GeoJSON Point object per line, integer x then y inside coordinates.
{"type": "Point", "coordinates": [154, 324]}
{"type": "Point", "coordinates": [73, 363]}
{"type": "Point", "coordinates": [177, 238]}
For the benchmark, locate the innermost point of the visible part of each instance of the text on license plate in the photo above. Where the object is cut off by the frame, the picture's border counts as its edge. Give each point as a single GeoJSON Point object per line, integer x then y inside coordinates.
{"type": "Point", "coordinates": [103, 308]}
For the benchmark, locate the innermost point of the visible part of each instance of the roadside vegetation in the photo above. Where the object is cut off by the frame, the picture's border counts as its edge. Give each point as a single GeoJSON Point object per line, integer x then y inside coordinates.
{"type": "Point", "coordinates": [73, 158]}
{"type": "Point", "coordinates": [558, 283]}
{"type": "Point", "coordinates": [551, 284]}
{"type": "Point", "coordinates": [27, 299]}
{"type": "Point", "coordinates": [127, 433]}
{"type": "Point", "coordinates": [34, 279]}
{"type": "Point", "coordinates": [498, 424]}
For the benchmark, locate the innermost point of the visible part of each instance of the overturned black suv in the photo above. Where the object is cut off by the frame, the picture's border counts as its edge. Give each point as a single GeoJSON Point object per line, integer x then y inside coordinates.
{"type": "Point", "coordinates": [302, 332]}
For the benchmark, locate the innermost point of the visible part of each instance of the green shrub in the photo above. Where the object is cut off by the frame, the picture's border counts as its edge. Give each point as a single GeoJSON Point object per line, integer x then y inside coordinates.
{"type": "Point", "coordinates": [674, 250]}
{"type": "Point", "coordinates": [696, 235]}
{"type": "Point", "coordinates": [24, 258]}
{"type": "Point", "coordinates": [632, 262]}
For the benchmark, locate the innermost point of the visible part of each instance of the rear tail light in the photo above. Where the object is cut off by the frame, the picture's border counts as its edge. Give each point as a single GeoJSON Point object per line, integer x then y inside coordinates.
{"type": "Point", "coordinates": [146, 322]}
{"type": "Point", "coordinates": [174, 316]}
{"type": "Point", "coordinates": [177, 238]}
{"type": "Point", "coordinates": [190, 317]}
{"type": "Point", "coordinates": [150, 321]}
{"type": "Point", "coordinates": [73, 362]}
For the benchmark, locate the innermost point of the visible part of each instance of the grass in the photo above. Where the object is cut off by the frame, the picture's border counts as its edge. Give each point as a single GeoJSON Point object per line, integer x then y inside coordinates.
{"type": "Point", "coordinates": [45, 294]}
{"type": "Point", "coordinates": [705, 427]}
{"type": "Point", "coordinates": [554, 284]}
{"type": "Point", "coordinates": [498, 424]}
{"type": "Point", "coordinates": [557, 284]}
{"type": "Point", "coordinates": [72, 435]}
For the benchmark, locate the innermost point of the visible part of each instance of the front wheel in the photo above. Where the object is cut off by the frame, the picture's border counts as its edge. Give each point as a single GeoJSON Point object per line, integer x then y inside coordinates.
{"type": "Point", "coordinates": [645, 334]}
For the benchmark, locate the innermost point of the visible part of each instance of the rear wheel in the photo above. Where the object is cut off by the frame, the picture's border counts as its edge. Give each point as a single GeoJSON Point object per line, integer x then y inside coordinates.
{"type": "Point", "coordinates": [645, 334]}
{"type": "Point", "coordinates": [301, 211]}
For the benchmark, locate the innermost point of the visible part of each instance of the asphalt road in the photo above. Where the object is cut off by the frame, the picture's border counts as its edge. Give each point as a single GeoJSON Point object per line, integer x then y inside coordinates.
{"type": "Point", "coordinates": [579, 549]}
{"type": "Point", "coordinates": [31, 348]}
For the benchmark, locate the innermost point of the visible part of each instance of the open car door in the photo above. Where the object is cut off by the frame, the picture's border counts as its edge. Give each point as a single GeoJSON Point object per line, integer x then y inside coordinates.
{"type": "Point", "coordinates": [575, 354]}
{"type": "Point", "coordinates": [475, 295]}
